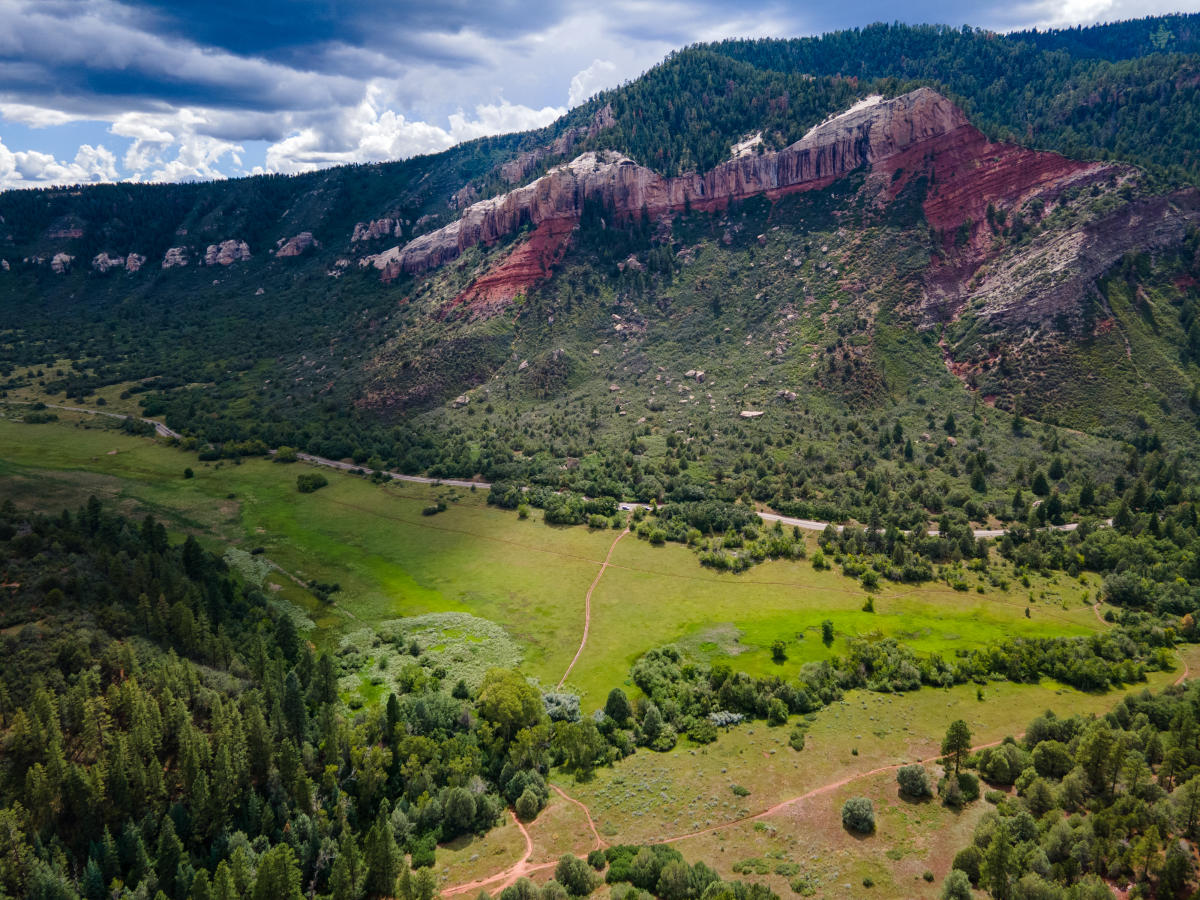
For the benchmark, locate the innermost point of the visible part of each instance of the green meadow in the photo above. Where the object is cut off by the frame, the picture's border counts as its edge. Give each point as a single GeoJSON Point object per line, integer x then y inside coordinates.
{"type": "Point", "coordinates": [530, 578]}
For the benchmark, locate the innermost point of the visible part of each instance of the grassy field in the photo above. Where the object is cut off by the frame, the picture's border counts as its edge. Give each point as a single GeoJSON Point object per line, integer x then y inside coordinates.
{"type": "Point", "coordinates": [528, 577]}
{"type": "Point", "coordinates": [652, 797]}
{"type": "Point", "coordinates": [488, 583]}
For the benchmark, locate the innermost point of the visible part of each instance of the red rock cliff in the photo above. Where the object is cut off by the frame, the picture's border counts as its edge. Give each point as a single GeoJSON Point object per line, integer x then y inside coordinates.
{"type": "Point", "coordinates": [866, 134]}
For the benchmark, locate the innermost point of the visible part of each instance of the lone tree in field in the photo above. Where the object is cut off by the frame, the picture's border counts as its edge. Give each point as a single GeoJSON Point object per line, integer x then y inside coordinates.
{"type": "Point", "coordinates": [914, 781]}
{"type": "Point", "coordinates": [858, 814]}
{"type": "Point", "coordinates": [827, 632]}
{"type": "Point", "coordinates": [957, 743]}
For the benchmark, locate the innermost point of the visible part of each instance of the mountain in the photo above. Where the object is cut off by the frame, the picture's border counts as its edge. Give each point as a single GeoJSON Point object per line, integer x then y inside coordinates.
{"type": "Point", "coordinates": [753, 241]}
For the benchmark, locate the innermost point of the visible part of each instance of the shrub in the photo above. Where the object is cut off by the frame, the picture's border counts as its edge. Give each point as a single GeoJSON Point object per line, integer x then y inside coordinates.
{"type": "Point", "coordinates": [796, 738]}
{"type": "Point", "coordinates": [779, 651]}
{"type": "Point", "coordinates": [528, 805]}
{"type": "Point", "coordinates": [969, 783]}
{"type": "Point", "coordinates": [777, 712]}
{"type": "Point", "coordinates": [739, 791]}
{"type": "Point", "coordinates": [858, 815]}
{"type": "Point", "coordinates": [286, 455]}
{"type": "Point", "coordinates": [597, 860]}
{"type": "Point", "coordinates": [914, 781]}
{"type": "Point", "coordinates": [957, 886]}
{"type": "Point", "coordinates": [968, 860]}
{"type": "Point", "coordinates": [310, 481]}
{"type": "Point", "coordinates": [574, 875]}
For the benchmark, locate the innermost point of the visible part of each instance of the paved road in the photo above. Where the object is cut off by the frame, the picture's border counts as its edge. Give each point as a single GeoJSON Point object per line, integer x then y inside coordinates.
{"type": "Point", "coordinates": [805, 524]}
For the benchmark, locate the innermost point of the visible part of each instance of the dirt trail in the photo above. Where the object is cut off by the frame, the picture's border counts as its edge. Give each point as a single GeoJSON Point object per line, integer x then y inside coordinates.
{"type": "Point", "coordinates": [806, 524]}
{"type": "Point", "coordinates": [512, 873]}
{"type": "Point", "coordinates": [587, 607]}
{"type": "Point", "coordinates": [523, 868]}
{"type": "Point", "coordinates": [600, 842]}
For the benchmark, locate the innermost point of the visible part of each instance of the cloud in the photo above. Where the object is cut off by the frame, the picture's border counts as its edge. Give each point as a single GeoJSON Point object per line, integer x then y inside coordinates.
{"type": "Point", "coordinates": [186, 86]}
{"type": "Point", "coordinates": [31, 168]}
{"type": "Point", "coordinates": [599, 75]}
{"type": "Point", "coordinates": [373, 133]}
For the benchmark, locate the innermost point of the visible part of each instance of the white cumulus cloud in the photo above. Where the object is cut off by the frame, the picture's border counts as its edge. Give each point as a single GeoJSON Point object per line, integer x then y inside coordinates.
{"type": "Point", "coordinates": [32, 168]}
{"type": "Point", "coordinates": [372, 132]}
{"type": "Point", "coordinates": [599, 75]}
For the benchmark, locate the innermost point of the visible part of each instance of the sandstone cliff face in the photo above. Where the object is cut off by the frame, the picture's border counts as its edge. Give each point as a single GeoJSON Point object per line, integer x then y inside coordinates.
{"type": "Point", "coordinates": [226, 253]}
{"type": "Point", "coordinates": [862, 136]}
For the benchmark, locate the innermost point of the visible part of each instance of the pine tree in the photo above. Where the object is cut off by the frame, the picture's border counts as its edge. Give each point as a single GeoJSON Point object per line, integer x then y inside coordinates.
{"type": "Point", "coordinates": [381, 856]}
{"type": "Point", "coordinates": [277, 877]}
{"type": "Point", "coordinates": [294, 709]}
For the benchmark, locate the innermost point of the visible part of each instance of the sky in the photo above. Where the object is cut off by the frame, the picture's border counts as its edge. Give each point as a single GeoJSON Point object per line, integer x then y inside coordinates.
{"type": "Point", "coordinates": [176, 90]}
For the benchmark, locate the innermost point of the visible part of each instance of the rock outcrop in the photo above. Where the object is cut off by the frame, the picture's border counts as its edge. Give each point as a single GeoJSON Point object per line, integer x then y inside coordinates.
{"type": "Point", "coordinates": [4, 266]}
{"type": "Point", "coordinates": [528, 264]}
{"type": "Point", "coordinates": [376, 229]}
{"type": "Point", "coordinates": [103, 263]}
{"type": "Point", "coordinates": [60, 263]}
{"type": "Point", "coordinates": [864, 135]}
{"type": "Point", "coordinates": [1050, 279]}
{"type": "Point", "coordinates": [226, 253]}
{"type": "Point", "coordinates": [134, 262]}
{"type": "Point", "coordinates": [175, 257]}
{"type": "Point", "coordinates": [517, 170]}
{"type": "Point", "coordinates": [295, 246]}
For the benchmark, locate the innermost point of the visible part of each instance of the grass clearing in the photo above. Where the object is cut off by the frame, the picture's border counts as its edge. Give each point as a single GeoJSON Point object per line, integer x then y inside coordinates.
{"type": "Point", "coordinates": [527, 577]}
{"type": "Point", "coordinates": [652, 796]}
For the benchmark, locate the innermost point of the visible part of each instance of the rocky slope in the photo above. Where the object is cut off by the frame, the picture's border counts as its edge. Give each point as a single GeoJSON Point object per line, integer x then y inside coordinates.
{"type": "Point", "coordinates": [965, 178]}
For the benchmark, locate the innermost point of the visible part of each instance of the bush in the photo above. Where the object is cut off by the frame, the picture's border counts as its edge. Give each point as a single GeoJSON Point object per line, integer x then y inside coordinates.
{"type": "Point", "coordinates": [777, 712]}
{"type": "Point", "coordinates": [858, 815]}
{"type": "Point", "coordinates": [968, 860]}
{"type": "Point", "coordinates": [286, 455]}
{"type": "Point", "coordinates": [914, 781]}
{"type": "Point", "coordinates": [739, 791]}
{"type": "Point", "coordinates": [597, 860]}
{"type": "Point", "coordinates": [956, 886]}
{"type": "Point", "coordinates": [574, 875]}
{"type": "Point", "coordinates": [969, 782]}
{"type": "Point", "coordinates": [310, 481]}
{"type": "Point", "coordinates": [528, 805]}
{"type": "Point", "coordinates": [796, 738]}
{"type": "Point", "coordinates": [951, 793]}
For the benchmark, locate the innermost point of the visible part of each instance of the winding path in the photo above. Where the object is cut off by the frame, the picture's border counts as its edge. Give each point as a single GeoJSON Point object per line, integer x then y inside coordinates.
{"type": "Point", "coordinates": [587, 607]}
{"type": "Point", "coordinates": [523, 868]}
